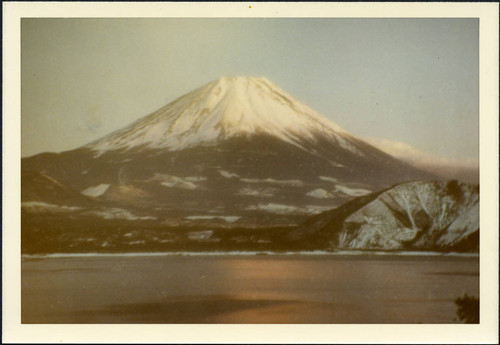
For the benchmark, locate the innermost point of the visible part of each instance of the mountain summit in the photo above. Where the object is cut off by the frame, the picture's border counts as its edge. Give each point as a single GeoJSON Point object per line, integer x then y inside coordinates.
{"type": "Point", "coordinates": [228, 107]}
{"type": "Point", "coordinates": [237, 149]}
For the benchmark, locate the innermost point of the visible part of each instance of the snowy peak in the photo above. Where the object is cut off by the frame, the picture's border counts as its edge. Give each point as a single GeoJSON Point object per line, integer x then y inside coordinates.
{"type": "Point", "coordinates": [250, 104]}
{"type": "Point", "coordinates": [228, 107]}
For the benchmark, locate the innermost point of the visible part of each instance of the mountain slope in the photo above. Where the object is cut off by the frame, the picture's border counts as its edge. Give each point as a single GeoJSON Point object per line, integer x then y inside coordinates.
{"type": "Point", "coordinates": [418, 215]}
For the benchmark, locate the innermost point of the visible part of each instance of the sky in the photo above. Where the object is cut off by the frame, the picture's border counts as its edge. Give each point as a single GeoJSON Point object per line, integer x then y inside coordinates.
{"type": "Point", "coordinates": [412, 82]}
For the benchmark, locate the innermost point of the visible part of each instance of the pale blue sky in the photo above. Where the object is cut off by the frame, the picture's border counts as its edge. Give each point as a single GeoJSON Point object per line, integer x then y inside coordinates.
{"type": "Point", "coordinates": [408, 80]}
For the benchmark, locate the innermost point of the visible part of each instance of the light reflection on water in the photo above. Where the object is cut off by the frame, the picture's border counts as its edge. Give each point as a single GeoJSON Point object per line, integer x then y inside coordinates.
{"type": "Point", "coordinates": [246, 289]}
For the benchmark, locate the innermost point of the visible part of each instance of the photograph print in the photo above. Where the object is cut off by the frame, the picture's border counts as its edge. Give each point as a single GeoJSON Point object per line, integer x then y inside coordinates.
{"type": "Point", "coordinates": [249, 170]}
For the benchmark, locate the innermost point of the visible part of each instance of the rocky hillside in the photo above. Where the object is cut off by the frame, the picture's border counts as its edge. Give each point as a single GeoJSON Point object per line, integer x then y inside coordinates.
{"type": "Point", "coordinates": [432, 215]}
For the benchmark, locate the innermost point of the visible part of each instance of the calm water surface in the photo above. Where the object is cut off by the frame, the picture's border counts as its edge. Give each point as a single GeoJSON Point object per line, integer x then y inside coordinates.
{"type": "Point", "coordinates": [246, 289]}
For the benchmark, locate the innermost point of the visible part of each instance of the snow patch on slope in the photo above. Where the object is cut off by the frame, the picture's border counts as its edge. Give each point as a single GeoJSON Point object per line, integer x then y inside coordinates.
{"type": "Point", "coordinates": [292, 183]}
{"type": "Point", "coordinates": [195, 178]}
{"type": "Point", "coordinates": [177, 182]}
{"type": "Point", "coordinates": [352, 191]}
{"type": "Point", "coordinates": [264, 192]}
{"type": "Point", "coordinates": [320, 194]}
{"type": "Point", "coordinates": [229, 219]}
{"type": "Point", "coordinates": [228, 174]}
{"type": "Point", "coordinates": [117, 213]}
{"type": "Point", "coordinates": [39, 206]}
{"type": "Point", "coordinates": [329, 179]}
{"type": "Point", "coordinates": [288, 209]}
{"type": "Point", "coordinates": [96, 191]}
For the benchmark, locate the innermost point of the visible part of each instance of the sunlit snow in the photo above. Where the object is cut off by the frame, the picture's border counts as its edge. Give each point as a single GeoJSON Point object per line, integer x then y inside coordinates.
{"type": "Point", "coordinates": [223, 109]}
{"type": "Point", "coordinates": [96, 190]}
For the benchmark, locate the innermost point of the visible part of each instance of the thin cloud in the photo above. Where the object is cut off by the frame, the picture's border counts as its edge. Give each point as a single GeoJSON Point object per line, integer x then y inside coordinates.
{"type": "Point", "coordinates": [462, 169]}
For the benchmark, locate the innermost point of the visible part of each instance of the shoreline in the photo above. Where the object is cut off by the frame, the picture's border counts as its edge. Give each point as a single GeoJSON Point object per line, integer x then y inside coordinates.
{"type": "Point", "coordinates": [255, 253]}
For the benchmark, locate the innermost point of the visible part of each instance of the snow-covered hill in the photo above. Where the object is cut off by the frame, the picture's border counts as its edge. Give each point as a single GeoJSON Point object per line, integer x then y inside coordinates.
{"type": "Point", "coordinates": [416, 215]}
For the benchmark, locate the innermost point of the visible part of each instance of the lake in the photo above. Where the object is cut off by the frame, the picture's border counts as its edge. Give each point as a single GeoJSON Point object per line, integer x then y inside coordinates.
{"type": "Point", "coordinates": [246, 288]}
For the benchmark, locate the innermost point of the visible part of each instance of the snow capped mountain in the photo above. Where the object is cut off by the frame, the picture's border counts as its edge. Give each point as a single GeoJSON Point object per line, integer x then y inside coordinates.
{"type": "Point", "coordinates": [239, 155]}
{"type": "Point", "coordinates": [417, 215]}
{"type": "Point", "coordinates": [228, 107]}
{"type": "Point", "coordinates": [239, 147]}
